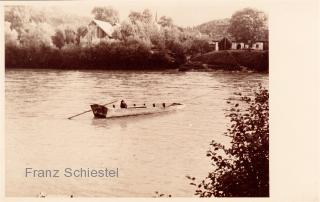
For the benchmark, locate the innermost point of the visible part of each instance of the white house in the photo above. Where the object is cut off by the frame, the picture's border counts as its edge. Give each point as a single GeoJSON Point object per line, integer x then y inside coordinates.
{"type": "Point", "coordinates": [238, 45]}
{"type": "Point", "coordinates": [214, 45]}
{"type": "Point", "coordinates": [258, 45]}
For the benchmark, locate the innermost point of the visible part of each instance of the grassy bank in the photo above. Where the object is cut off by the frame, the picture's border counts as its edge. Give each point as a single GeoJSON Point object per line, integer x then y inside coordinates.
{"type": "Point", "coordinates": [235, 59]}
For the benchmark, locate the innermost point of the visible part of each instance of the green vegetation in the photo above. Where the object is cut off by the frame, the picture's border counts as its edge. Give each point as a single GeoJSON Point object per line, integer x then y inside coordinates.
{"type": "Point", "coordinates": [241, 170]}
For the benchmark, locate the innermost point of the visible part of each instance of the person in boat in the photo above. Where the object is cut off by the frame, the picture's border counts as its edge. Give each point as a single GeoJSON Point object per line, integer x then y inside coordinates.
{"type": "Point", "coordinates": [123, 104]}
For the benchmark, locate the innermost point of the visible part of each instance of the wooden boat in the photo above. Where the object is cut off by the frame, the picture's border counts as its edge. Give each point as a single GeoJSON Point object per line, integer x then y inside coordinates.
{"type": "Point", "coordinates": [101, 111]}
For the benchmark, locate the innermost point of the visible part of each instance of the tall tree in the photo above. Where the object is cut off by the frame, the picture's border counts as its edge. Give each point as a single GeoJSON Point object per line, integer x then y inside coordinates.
{"type": "Point", "coordinates": [80, 32]}
{"type": "Point", "coordinates": [107, 14]}
{"type": "Point", "coordinates": [11, 35]}
{"type": "Point", "coordinates": [70, 35]}
{"type": "Point", "coordinates": [135, 16]}
{"type": "Point", "coordinates": [248, 25]}
{"type": "Point", "coordinates": [124, 31]}
{"type": "Point", "coordinates": [36, 35]}
{"type": "Point", "coordinates": [147, 16]}
{"type": "Point", "coordinates": [224, 44]}
{"type": "Point", "coordinates": [165, 21]}
{"type": "Point", "coordinates": [58, 39]}
{"type": "Point", "coordinates": [18, 16]}
{"type": "Point", "coordinates": [144, 17]}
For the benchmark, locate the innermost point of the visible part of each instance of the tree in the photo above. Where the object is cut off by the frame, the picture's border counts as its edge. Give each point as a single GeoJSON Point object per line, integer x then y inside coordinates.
{"type": "Point", "coordinates": [199, 46]}
{"type": "Point", "coordinates": [144, 17]}
{"type": "Point", "coordinates": [248, 25]}
{"type": "Point", "coordinates": [18, 16]}
{"type": "Point", "coordinates": [165, 21]}
{"type": "Point", "coordinates": [135, 17]}
{"type": "Point", "coordinates": [80, 32]}
{"type": "Point", "coordinates": [36, 35]}
{"type": "Point", "coordinates": [243, 169]}
{"type": "Point", "coordinates": [107, 14]}
{"type": "Point", "coordinates": [21, 16]}
{"type": "Point", "coordinates": [124, 31]}
{"type": "Point", "coordinates": [225, 44]}
{"type": "Point", "coordinates": [70, 35]}
{"type": "Point", "coordinates": [147, 16]}
{"type": "Point", "coordinates": [58, 39]}
{"type": "Point", "coordinates": [11, 35]}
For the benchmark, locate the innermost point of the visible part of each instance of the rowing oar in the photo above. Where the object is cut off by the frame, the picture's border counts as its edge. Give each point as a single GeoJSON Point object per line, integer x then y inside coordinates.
{"type": "Point", "coordinates": [90, 110]}
{"type": "Point", "coordinates": [189, 99]}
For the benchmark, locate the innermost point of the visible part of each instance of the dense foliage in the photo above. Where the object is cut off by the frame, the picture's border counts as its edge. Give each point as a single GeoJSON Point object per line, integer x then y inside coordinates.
{"type": "Point", "coordinates": [225, 44]}
{"type": "Point", "coordinates": [216, 28]}
{"type": "Point", "coordinates": [248, 25]}
{"type": "Point", "coordinates": [132, 55]}
{"type": "Point", "coordinates": [236, 60]}
{"type": "Point", "coordinates": [107, 14]}
{"type": "Point", "coordinates": [33, 39]}
{"type": "Point", "coordinates": [44, 38]}
{"type": "Point", "coordinates": [241, 170]}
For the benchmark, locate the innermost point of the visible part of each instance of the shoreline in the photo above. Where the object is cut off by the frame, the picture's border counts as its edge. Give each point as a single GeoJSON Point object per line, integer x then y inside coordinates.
{"type": "Point", "coordinates": [164, 70]}
{"type": "Point", "coordinates": [227, 60]}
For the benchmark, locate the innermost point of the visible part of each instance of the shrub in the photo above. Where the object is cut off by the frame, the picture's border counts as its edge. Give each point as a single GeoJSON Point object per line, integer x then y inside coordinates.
{"type": "Point", "coordinates": [241, 170]}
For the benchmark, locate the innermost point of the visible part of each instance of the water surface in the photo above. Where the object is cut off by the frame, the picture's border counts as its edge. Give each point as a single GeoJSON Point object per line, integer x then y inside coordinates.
{"type": "Point", "coordinates": [152, 152]}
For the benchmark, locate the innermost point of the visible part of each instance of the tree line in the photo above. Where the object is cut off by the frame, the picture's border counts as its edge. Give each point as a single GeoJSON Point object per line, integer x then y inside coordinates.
{"type": "Point", "coordinates": [35, 38]}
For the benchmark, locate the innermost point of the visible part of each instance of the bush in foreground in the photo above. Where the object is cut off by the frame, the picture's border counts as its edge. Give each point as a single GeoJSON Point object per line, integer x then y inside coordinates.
{"type": "Point", "coordinates": [243, 169]}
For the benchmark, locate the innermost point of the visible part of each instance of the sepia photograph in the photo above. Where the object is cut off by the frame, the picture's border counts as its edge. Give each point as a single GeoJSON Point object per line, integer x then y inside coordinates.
{"type": "Point", "coordinates": [136, 99]}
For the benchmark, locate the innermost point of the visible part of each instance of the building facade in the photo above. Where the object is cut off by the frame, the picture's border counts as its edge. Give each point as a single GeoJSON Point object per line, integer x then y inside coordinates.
{"type": "Point", "coordinates": [96, 32]}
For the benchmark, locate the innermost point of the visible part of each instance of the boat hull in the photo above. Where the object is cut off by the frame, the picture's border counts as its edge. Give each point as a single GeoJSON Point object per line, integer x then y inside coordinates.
{"type": "Point", "coordinates": [100, 111]}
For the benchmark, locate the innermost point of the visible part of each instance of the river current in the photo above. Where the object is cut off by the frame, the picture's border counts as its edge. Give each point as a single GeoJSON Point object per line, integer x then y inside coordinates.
{"type": "Point", "coordinates": [152, 152]}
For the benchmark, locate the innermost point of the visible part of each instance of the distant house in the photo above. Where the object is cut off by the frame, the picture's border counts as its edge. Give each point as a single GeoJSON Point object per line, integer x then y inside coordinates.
{"type": "Point", "coordinates": [96, 32]}
{"type": "Point", "coordinates": [258, 45]}
{"type": "Point", "coordinates": [237, 45]}
{"type": "Point", "coordinates": [218, 44]}
{"type": "Point", "coordinates": [214, 45]}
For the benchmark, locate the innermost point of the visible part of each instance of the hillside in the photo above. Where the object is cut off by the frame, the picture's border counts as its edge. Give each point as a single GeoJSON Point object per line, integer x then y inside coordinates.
{"type": "Point", "coordinates": [215, 28]}
{"type": "Point", "coordinates": [20, 17]}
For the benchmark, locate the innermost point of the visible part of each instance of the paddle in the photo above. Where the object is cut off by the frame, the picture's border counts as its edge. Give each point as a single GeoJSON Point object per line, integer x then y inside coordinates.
{"type": "Point", "coordinates": [90, 110]}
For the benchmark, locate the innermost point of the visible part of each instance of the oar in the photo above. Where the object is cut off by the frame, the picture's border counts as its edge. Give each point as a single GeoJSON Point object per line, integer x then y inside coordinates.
{"type": "Point", "coordinates": [189, 99]}
{"type": "Point", "coordinates": [90, 110]}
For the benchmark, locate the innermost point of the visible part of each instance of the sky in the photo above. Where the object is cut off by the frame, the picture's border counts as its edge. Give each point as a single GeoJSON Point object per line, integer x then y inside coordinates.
{"type": "Point", "coordinates": [183, 12]}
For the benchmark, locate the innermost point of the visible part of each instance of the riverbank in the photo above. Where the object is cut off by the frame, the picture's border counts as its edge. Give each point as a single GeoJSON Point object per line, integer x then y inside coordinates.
{"type": "Point", "coordinates": [117, 56]}
{"type": "Point", "coordinates": [105, 57]}
{"type": "Point", "coordinates": [231, 60]}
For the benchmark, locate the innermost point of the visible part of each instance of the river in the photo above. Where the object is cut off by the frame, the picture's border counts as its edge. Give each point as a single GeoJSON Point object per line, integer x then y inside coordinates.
{"type": "Point", "coordinates": [151, 152]}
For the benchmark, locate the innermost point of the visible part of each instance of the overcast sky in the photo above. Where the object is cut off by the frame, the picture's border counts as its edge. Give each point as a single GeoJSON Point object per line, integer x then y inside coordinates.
{"type": "Point", "coordinates": [183, 12]}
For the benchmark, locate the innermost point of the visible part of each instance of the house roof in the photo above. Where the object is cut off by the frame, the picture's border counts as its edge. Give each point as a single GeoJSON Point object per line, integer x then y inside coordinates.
{"type": "Point", "coordinates": [105, 26]}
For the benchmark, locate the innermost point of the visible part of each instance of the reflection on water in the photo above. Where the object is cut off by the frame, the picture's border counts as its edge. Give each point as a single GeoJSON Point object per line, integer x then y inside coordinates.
{"type": "Point", "coordinates": [124, 121]}
{"type": "Point", "coordinates": [152, 152]}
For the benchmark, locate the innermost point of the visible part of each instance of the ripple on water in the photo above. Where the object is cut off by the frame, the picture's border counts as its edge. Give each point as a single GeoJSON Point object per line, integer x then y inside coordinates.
{"type": "Point", "coordinates": [153, 153]}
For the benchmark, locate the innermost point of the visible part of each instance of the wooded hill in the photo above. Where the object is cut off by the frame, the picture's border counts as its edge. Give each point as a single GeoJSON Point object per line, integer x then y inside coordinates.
{"type": "Point", "coordinates": [215, 28]}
